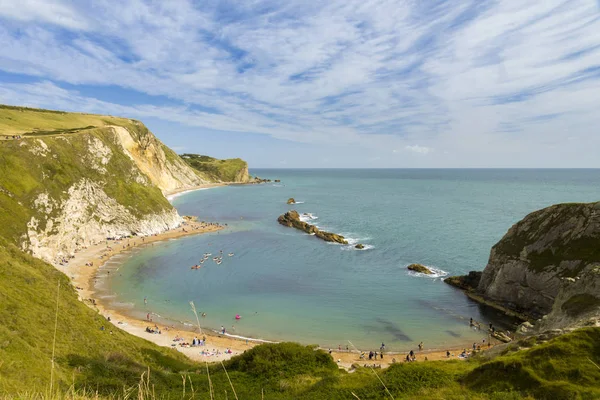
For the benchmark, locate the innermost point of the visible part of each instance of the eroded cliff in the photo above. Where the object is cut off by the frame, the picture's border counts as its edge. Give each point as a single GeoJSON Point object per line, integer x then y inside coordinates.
{"type": "Point", "coordinates": [67, 188]}
{"type": "Point", "coordinates": [547, 267]}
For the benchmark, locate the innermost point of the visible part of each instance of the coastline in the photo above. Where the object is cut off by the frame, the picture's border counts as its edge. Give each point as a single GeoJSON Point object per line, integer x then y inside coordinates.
{"type": "Point", "coordinates": [87, 265]}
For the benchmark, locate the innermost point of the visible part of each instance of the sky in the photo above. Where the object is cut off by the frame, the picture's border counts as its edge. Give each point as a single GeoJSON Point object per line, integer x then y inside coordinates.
{"type": "Point", "coordinates": [323, 84]}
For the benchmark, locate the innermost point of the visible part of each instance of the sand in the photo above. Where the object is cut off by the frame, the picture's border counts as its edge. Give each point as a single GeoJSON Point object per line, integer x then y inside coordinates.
{"type": "Point", "coordinates": [82, 270]}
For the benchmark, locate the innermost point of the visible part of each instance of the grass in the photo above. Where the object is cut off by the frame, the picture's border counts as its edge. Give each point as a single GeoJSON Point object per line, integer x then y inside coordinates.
{"type": "Point", "coordinates": [543, 224]}
{"type": "Point", "coordinates": [25, 175]}
{"type": "Point", "coordinates": [32, 121]}
{"type": "Point", "coordinates": [220, 170]}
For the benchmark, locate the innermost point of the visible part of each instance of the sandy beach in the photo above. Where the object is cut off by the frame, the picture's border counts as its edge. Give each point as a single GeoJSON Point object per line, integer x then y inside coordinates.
{"type": "Point", "coordinates": [84, 267]}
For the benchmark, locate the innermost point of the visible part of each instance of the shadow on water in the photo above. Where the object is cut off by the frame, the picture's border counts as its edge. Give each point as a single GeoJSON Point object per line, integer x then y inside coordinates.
{"type": "Point", "coordinates": [393, 329]}
{"type": "Point", "coordinates": [453, 334]}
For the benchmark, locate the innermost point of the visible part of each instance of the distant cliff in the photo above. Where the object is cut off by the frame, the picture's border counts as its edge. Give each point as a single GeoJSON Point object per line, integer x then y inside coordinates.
{"type": "Point", "coordinates": [546, 267]}
{"type": "Point", "coordinates": [230, 170]}
{"type": "Point", "coordinates": [74, 179]}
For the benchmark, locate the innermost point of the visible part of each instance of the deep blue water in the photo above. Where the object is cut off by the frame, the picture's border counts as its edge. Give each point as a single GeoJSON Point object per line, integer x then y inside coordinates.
{"type": "Point", "coordinates": [289, 285]}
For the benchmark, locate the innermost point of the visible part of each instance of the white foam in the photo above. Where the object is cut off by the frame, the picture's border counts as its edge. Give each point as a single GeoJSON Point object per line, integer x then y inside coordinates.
{"type": "Point", "coordinates": [437, 273]}
{"type": "Point", "coordinates": [305, 217]}
{"type": "Point", "coordinates": [299, 202]}
{"type": "Point", "coordinates": [244, 337]}
{"type": "Point", "coordinates": [351, 247]}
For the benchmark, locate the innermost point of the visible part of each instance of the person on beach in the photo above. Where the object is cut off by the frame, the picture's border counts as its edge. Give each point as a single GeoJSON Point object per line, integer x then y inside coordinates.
{"type": "Point", "coordinates": [447, 353]}
{"type": "Point", "coordinates": [145, 301]}
{"type": "Point", "coordinates": [370, 355]}
{"type": "Point", "coordinates": [420, 346]}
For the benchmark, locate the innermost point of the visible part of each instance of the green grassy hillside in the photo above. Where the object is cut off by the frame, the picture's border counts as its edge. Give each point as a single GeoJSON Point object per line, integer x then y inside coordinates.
{"type": "Point", "coordinates": [24, 175]}
{"type": "Point", "coordinates": [33, 121]}
{"type": "Point", "coordinates": [93, 360]}
{"type": "Point", "coordinates": [219, 170]}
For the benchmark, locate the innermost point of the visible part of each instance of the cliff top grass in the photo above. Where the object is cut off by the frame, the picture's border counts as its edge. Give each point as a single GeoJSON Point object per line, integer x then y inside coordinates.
{"type": "Point", "coordinates": [39, 122]}
{"type": "Point", "coordinates": [219, 170]}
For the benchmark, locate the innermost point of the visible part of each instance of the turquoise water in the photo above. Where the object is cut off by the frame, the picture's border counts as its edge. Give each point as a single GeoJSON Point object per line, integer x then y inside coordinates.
{"type": "Point", "coordinates": [287, 285]}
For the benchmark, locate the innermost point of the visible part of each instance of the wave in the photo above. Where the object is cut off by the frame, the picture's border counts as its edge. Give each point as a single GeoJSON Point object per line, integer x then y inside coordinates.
{"type": "Point", "coordinates": [305, 217]}
{"type": "Point", "coordinates": [299, 202]}
{"type": "Point", "coordinates": [243, 337]}
{"type": "Point", "coordinates": [351, 247]}
{"type": "Point", "coordinates": [437, 273]}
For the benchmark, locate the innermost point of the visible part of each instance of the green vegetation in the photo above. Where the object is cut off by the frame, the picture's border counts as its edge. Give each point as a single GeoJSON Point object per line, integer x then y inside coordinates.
{"type": "Point", "coordinates": [25, 175]}
{"type": "Point", "coordinates": [543, 224]}
{"type": "Point", "coordinates": [34, 121]}
{"type": "Point", "coordinates": [89, 359]}
{"type": "Point", "coordinates": [219, 170]}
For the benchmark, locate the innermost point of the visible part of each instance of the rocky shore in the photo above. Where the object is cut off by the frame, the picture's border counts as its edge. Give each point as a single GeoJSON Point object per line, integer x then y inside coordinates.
{"type": "Point", "coordinates": [545, 270]}
{"type": "Point", "coordinates": [291, 219]}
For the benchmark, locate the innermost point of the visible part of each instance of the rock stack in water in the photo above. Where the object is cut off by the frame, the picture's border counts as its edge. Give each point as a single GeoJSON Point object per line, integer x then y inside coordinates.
{"type": "Point", "coordinates": [419, 268]}
{"type": "Point", "coordinates": [291, 201]}
{"type": "Point", "coordinates": [291, 219]}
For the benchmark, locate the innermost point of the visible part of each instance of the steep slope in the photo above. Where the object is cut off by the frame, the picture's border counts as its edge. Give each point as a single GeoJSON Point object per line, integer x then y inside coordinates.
{"type": "Point", "coordinates": [230, 170]}
{"type": "Point", "coordinates": [548, 266]}
{"type": "Point", "coordinates": [73, 187]}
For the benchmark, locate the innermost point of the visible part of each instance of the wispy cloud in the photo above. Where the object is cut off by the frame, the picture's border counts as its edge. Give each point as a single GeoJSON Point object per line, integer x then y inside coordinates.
{"type": "Point", "coordinates": [488, 79]}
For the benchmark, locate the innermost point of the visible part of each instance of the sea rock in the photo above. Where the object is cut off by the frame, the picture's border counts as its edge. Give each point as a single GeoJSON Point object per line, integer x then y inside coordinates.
{"type": "Point", "coordinates": [465, 282]}
{"type": "Point", "coordinates": [291, 201]}
{"type": "Point", "coordinates": [291, 219]}
{"type": "Point", "coordinates": [277, 180]}
{"type": "Point", "coordinates": [525, 328]}
{"type": "Point", "coordinates": [547, 265]}
{"type": "Point", "coordinates": [359, 246]}
{"type": "Point", "coordinates": [420, 268]}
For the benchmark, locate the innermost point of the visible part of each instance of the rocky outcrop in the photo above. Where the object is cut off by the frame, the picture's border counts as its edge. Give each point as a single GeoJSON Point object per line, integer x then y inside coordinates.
{"type": "Point", "coordinates": [359, 246]}
{"type": "Point", "coordinates": [291, 200]}
{"type": "Point", "coordinates": [291, 219]}
{"type": "Point", "coordinates": [233, 170]}
{"type": "Point", "coordinates": [546, 267]}
{"type": "Point", "coordinates": [466, 282]}
{"type": "Point", "coordinates": [420, 269]}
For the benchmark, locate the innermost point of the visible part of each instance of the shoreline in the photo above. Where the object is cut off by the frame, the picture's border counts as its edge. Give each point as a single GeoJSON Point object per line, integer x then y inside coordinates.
{"type": "Point", "coordinates": [88, 263]}
{"type": "Point", "coordinates": [170, 195]}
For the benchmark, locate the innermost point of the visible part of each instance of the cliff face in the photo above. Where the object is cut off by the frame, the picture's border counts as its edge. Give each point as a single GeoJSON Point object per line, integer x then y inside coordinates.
{"type": "Point", "coordinates": [548, 264]}
{"type": "Point", "coordinates": [160, 164]}
{"type": "Point", "coordinates": [60, 192]}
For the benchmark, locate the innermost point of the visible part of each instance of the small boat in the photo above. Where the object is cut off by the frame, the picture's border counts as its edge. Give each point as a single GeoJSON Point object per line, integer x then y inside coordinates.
{"type": "Point", "coordinates": [208, 254]}
{"type": "Point", "coordinates": [215, 258]}
{"type": "Point", "coordinates": [219, 262]}
{"type": "Point", "coordinates": [230, 254]}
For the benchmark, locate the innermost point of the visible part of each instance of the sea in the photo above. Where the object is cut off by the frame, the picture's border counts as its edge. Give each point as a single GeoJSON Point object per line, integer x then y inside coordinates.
{"type": "Point", "coordinates": [286, 285]}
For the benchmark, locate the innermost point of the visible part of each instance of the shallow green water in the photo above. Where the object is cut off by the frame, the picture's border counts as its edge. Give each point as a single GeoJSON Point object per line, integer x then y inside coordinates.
{"type": "Point", "coordinates": [287, 285]}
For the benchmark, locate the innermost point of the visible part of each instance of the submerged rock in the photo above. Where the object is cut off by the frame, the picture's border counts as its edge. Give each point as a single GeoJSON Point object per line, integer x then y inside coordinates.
{"type": "Point", "coordinates": [291, 201]}
{"type": "Point", "coordinates": [291, 219]}
{"type": "Point", "coordinates": [420, 268]}
{"type": "Point", "coordinates": [359, 246]}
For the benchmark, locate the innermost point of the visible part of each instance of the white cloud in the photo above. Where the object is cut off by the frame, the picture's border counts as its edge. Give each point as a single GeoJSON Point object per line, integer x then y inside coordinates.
{"type": "Point", "coordinates": [492, 80]}
{"type": "Point", "coordinates": [419, 149]}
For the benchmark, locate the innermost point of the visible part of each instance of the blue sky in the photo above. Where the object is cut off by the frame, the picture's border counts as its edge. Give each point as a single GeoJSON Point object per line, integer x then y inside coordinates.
{"type": "Point", "coordinates": [369, 83]}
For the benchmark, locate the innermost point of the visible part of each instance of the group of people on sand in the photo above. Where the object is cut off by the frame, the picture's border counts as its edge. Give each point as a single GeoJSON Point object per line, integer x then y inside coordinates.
{"type": "Point", "coordinates": [154, 330]}
{"type": "Point", "coordinates": [13, 137]}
